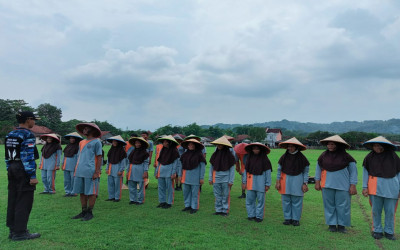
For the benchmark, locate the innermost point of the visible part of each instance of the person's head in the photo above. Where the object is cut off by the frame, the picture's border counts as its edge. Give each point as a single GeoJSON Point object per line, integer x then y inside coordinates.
{"type": "Point", "coordinates": [291, 148]}
{"type": "Point", "coordinates": [165, 143]}
{"type": "Point", "coordinates": [26, 119]}
{"type": "Point", "coordinates": [378, 148]}
{"type": "Point", "coordinates": [191, 146]}
{"type": "Point", "coordinates": [72, 140]}
{"type": "Point", "coordinates": [220, 147]}
{"type": "Point", "coordinates": [114, 143]}
{"type": "Point", "coordinates": [331, 146]}
{"type": "Point", "coordinates": [87, 131]}
{"type": "Point", "coordinates": [138, 144]}
{"type": "Point", "coordinates": [145, 135]}
{"type": "Point", "coordinates": [256, 150]}
{"type": "Point", "coordinates": [49, 139]}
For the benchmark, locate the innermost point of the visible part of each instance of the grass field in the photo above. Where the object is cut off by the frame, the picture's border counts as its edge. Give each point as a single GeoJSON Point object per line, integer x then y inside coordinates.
{"type": "Point", "coordinates": [119, 225]}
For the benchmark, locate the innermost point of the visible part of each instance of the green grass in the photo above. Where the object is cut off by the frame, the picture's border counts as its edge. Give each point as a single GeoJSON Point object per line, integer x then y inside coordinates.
{"type": "Point", "coordinates": [118, 225]}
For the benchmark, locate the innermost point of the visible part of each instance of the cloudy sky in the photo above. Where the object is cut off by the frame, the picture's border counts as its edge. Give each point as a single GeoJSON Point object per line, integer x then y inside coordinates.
{"type": "Point", "coordinates": [143, 64]}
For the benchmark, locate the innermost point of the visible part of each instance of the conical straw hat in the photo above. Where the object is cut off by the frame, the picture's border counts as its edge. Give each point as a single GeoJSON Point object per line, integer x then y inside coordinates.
{"type": "Point", "coordinates": [54, 136]}
{"type": "Point", "coordinates": [230, 138]}
{"type": "Point", "coordinates": [222, 141]}
{"type": "Point", "coordinates": [240, 148]}
{"type": "Point", "coordinates": [293, 141]}
{"type": "Point", "coordinates": [169, 138]}
{"type": "Point", "coordinates": [117, 138]}
{"type": "Point", "coordinates": [141, 139]}
{"type": "Point", "coordinates": [73, 134]}
{"type": "Point", "coordinates": [192, 136]}
{"type": "Point", "coordinates": [79, 127]}
{"type": "Point", "coordinates": [260, 145]}
{"type": "Point", "coordinates": [335, 138]}
{"type": "Point", "coordinates": [196, 142]}
{"type": "Point", "coordinates": [381, 140]}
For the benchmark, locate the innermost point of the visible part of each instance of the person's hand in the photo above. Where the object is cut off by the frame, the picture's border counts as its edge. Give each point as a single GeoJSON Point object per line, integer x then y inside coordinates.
{"type": "Point", "coordinates": [230, 185]}
{"type": "Point", "coordinates": [318, 185]}
{"type": "Point", "coordinates": [155, 166]}
{"type": "Point", "coordinates": [266, 188]}
{"type": "Point", "coordinates": [365, 192]}
{"type": "Point", "coordinates": [57, 168]}
{"type": "Point", "coordinates": [304, 188]}
{"type": "Point", "coordinates": [173, 176]}
{"type": "Point", "coordinates": [96, 175]}
{"type": "Point", "coordinates": [119, 173]}
{"type": "Point", "coordinates": [210, 182]}
{"type": "Point", "coordinates": [201, 182]}
{"type": "Point", "coordinates": [353, 189]}
{"type": "Point", "coordinates": [145, 175]}
{"type": "Point", "coordinates": [278, 185]}
{"type": "Point", "coordinates": [238, 169]}
{"type": "Point", "coordinates": [33, 182]}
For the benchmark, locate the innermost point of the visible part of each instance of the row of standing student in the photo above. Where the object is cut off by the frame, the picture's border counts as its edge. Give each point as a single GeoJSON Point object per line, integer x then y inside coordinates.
{"type": "Point", "coordinates": [336, 177]}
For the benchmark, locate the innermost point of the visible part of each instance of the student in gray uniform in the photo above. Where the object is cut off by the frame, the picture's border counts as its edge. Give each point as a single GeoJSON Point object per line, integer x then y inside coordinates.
{"type": "Point", "coordinates": [168, 164]}
{"type": "Point", "coordinates": [381, 181]}
{"type": "Point", "coordinates": [50, 162]}
{"type": "Point", "coordinates": [222, 174]}
{"type": "Point", "coordinates": [71, 153]}
{"type": "Point", "coordinates": [116, 164]}
{"type": "Point", "coordinates": [138, 170]}
{"type": "Point", "coordinates": [292, 179]}
{"type": "Point", "coordinates": [257, 179]}
{"type": "Point", "coordinates": [181, 150]}
{"type": "Point", "coordinates": [336, 176]}
{"type": "Point", "coordinates": [191, 174]}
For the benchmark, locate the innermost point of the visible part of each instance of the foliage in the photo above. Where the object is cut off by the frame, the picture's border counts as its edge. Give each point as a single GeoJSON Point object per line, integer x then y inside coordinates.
{"type": "Point", "coordinates": [8, 111]}
{"type": "Point", "coordinates": [50, 116]}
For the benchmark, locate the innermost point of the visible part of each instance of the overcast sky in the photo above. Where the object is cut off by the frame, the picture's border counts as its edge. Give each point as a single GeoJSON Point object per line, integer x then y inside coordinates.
{"type": "Point", "coordinates": [145, 64]}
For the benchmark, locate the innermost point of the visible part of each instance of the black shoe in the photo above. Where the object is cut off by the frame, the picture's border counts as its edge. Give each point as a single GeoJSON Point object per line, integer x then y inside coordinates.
{"type": "Point", "coordinates": [193, 211]}
{"type": "Point", "coordinates": [138, 203]}
{"type": "Point", "coordinates": [52, 192]}
{"type": "Point", "coordinates": [217, 213]}
{"type": "Point", "coordinates": [79, 216]}
{"type": "Point", "coordinates": [162, 204]}
{"type": "Point", "coordinates": [295, 223]}
{"type": "Point", "coordinates": [251, 218]}
{"type": "Point", "coordinates": [341, 229]}
{"type": "Point", "coordinates": [25, 236]}
{"type": "Point", "coordinates": [242, 196]}
{"type": "Point", "coordinates": [390, 236]}
{"type": "Point", "coordinates": [110, 199]}
{"type": "Point", "coordinates": [224, 214]}
{"type": "Point", "coordinates": [66, 195]}
{"type": "Point", "coordinates": [332, 228]}
{"type": "Point", "coordinates": [132, 202]}
{"type": "Point", "coordinates": [377, 236]}
{"type": "Point", "coordinates": [88, 216]}
{"type": "Point", "coordinates": [117, 200]}
{"type": "Point", "coordinates": [287, 222]}
{"type": "Point", "coordinates": [186, 209]}
{"type": "Point", "coordinates": [258, 220]}
{"type": "Point", "coordinates": [166, 206]}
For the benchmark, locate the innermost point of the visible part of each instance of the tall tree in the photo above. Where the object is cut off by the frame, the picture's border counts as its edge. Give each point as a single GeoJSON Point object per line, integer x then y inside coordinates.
{"type": "Point", "coordinates": [50, 116]}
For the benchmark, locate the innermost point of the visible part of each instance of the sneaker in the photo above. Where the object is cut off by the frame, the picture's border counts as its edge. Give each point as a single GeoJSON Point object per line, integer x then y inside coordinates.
{"type": "Point", "coordinates": [66, 195]}
{"type": "Point", "coordinates": [186, 209]}
{"type": "Point", "coordinates": [287, 222]}
{"type": "Point", "coordinates": [110, 199]}
{"type": "Point", "coordinates": [116, 200]}
{"type": "Point", "coordinates": [251, 218]}
{"type": "Point", "coordinates": [132, 202]}
{"type": "Point", "coordinates": [295, 223]}
{"type": "Point", "coordinates": [79, 216]}
{"type": "Point", "coordinates": [332, 228]}
{"type": "Point", "coordinates": [224, 214]}
{"type": "Point", "coordinates": [258, 220]}
{"type": "Point", "coordinates": [162, 204]}
{"type": "Point", "coordinates": [139, 203]}
{"type": "Point", "coordinates": [193, 211]}
{"type": "Point", "coordinates": [217, 213]}
{"type": "Point", "coordinates": [242, 196]}
{"type": "Point", "coordinates": [377, 236]}
{"type": "Point", "coordinates": [166, 206]}
{"type": "Point", "coordinates": [390, 236]}
{"type": "Point", "coordinates": [341, 229]}
{"type": "Point", "coordinates": [25, 236]}
{"type": "Point", "coordinates": [88, 216]}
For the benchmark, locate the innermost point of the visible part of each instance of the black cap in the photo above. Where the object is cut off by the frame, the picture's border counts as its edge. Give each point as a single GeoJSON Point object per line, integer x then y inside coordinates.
{"type": "Point", "coordinates": [26, 115]}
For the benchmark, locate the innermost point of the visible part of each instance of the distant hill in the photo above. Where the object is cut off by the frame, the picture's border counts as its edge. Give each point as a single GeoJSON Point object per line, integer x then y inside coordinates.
{"type": "Point", "coordinates": [391, 126]}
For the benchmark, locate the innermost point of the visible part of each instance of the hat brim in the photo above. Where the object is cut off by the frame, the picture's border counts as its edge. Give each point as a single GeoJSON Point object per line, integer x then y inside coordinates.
{"type": "Point", "coordinates": [286, 144]}
{"type": "Point", "coordinates": [167, 139]}
{"type": "Point", "coordinates": [118, 140]}
{"type": "Point", "coordinates": [44, 137]}
{"type": "Point", "coordinates": [80, 127]}
{"type": "Point", "coordinates": [142, 140]}
{"type": "Point", "coordinates": [347, 146]}
{"type": "Point", "coordinates": [369, 144]}
{"type": "Point", "coordinates": [185, 144]}
{"type": "Point", "coordinates": [262, 146]}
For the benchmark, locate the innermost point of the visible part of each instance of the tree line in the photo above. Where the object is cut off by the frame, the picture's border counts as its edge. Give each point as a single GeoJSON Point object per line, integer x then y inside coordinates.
{"type": "Point", "coordinates": [51, 118]}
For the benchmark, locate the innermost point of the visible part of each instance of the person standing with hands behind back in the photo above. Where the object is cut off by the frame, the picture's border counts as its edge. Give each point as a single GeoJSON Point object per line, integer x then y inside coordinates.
{"type": "Point", "coordinates": [20, 157]}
